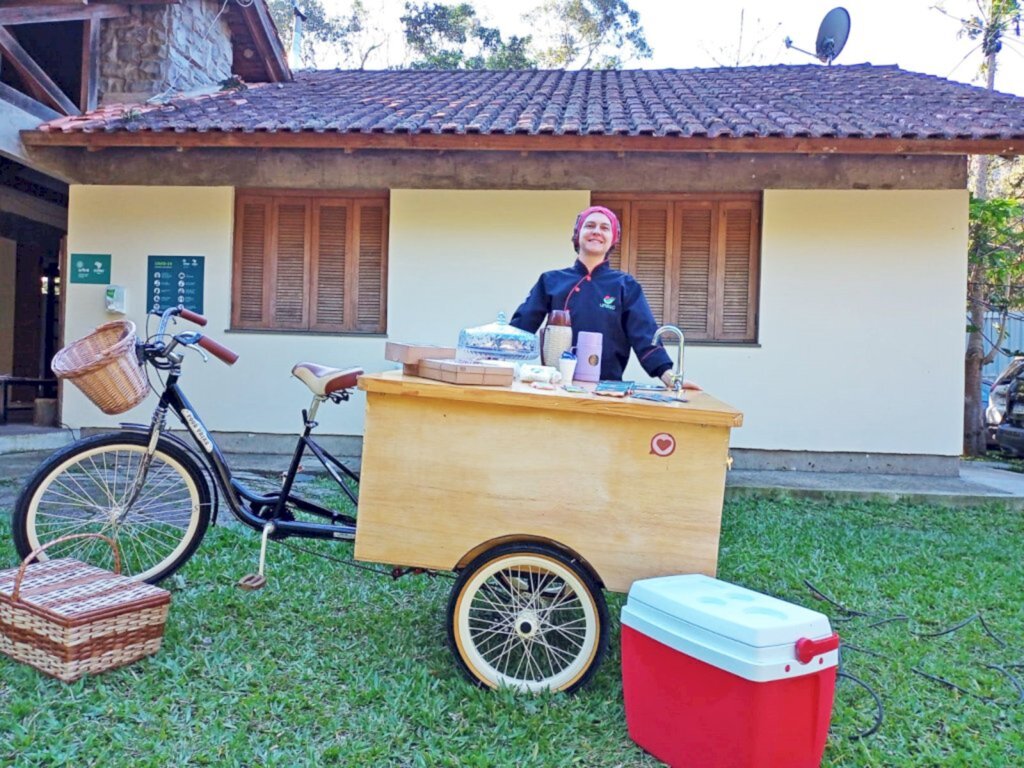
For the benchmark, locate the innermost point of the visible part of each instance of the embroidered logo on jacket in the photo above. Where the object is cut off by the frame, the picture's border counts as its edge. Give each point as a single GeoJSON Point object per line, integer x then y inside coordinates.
{"type": "Point", "coordinates": [608, 303]}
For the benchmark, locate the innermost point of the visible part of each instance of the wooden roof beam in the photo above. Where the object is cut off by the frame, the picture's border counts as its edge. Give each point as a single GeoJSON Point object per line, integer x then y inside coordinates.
{"type": "Point", "coordinates": [90, 71]}
{"type": "Point", "coordinates": [101, 139]}
{"type": "Point", "coordinates": [264, 35]}
{"type": "Point", "coordinates": [25, 103]}
{"type": "Point", "coordinates": [80, 3]}
{"type": "Point", "coordinates": [36, 79]}
{"type": "Point", "coordinates": [41, 13]}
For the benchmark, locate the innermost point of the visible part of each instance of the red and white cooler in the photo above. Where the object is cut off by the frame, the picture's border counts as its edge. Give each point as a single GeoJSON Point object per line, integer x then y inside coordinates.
{"type": "Point", "coordinates": [719, 676]}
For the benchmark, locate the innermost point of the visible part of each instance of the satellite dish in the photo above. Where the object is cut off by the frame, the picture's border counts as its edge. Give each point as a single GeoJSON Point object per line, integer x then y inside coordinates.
{"type": "Point", "coordinates": [832, 36]}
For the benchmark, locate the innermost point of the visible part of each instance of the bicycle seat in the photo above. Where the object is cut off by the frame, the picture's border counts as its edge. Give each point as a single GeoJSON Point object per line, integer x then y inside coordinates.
{"type": "Point", "coordinates": [323, 380]}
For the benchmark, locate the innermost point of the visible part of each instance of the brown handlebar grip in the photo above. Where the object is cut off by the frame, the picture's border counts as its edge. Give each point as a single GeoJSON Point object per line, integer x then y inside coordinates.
{"type": "Point", "coordinates": [217, 350]}
{"type": "Point", "coordinates": [192, 317]}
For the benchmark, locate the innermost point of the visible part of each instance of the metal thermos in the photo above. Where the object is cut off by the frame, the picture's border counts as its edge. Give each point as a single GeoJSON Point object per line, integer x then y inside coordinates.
{"type": "Point", "coordinates": [588, 356]}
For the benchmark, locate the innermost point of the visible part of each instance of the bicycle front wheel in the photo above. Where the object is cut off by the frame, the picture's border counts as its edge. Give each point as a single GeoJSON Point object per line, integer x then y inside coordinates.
{"type": "Point", "coordinates": [88, 488]}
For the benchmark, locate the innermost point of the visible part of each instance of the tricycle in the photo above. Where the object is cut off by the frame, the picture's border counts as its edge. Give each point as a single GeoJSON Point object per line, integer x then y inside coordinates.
{"type": "Point", "coordinates": [519, 528]}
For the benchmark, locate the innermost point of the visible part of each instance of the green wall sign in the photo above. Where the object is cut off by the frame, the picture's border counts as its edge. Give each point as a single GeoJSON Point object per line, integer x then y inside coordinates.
{"type": "Point", "coordinates": [173, 281]}
{"type": "Point", "coordinates": [89, 268]}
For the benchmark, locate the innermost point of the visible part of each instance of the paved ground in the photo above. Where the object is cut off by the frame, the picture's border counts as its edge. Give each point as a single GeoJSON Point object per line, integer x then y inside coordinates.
{"type": "Point", "coordinates": [978, 483]}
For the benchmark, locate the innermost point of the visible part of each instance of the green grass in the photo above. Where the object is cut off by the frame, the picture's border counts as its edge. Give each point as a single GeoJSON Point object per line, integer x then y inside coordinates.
{"type": "Point", "coordinates": [335, 666]}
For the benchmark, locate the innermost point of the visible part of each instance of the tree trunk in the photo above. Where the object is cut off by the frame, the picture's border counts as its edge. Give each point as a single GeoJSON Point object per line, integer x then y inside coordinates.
{"type": "Point", "coordinates": [984, 161]}
{"type": "Point", "coordinates": [974, 423]}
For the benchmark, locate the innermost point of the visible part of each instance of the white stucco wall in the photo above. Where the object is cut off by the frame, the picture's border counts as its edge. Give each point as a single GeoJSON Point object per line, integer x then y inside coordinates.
{"type": "Point", "coordinates": [861, 325]}
{"type": "Point", "coordinates": [258, 393]}
{"type": "Point", "coordinates": [458, 258]}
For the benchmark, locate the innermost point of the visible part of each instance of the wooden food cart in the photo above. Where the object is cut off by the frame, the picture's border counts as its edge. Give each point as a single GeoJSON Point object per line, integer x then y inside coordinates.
{"type": "Point", "coordinates": [576, 489]}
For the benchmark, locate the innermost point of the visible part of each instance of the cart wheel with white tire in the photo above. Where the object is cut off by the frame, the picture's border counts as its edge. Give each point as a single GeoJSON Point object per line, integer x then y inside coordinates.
{"type": "Point", "coordinates": [529, 617]}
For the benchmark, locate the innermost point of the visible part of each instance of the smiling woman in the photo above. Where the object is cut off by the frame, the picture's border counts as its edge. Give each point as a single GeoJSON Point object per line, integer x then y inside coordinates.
{"type": "Point", "coordinates": [600, 300]}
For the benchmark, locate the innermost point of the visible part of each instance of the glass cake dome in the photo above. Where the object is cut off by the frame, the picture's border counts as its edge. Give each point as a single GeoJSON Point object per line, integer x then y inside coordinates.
{"type": "Point", "coordinates": [496, 341]}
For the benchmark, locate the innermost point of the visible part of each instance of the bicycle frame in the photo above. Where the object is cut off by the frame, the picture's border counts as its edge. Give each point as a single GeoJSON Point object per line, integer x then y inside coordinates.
{"type": "Point", "coordinates": [241, 499]}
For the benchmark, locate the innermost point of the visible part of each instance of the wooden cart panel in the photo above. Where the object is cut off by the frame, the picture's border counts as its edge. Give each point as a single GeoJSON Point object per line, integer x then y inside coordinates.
{"type": "Point", "coordinates": [635, 496]}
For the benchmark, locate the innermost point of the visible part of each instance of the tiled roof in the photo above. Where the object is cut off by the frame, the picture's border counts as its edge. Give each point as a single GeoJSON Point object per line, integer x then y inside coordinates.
{"type": "Point", "coordinates": [811, 101]}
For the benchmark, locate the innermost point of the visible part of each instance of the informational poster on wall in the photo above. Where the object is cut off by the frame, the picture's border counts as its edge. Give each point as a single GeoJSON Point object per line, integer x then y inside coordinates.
{"type": "Point", "coordinates": [89, 268]}
{"type": "Point", "coordinates": [175, 281]}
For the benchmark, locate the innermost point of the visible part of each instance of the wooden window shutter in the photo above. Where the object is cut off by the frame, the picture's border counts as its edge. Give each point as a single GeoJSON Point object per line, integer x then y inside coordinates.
{"type": "Point", "coordinates": [695, 270]}
{"type": "Point", "coordinates": [308, 261]}
{"type": "Point", "coordinates": [250, 299]}
{"type": "Point", "coordinates": [619, 258]}
{"type": "Point", "coordinates": [737, 279]}
{"type": "Point", "coordinates": [650, 245]}
{"type": "Point", "coordinates": [332, 244]}
{"type": "Point", "coordinates": [290, 276]}
{"type": "Point", "coordinates": [371, 267]}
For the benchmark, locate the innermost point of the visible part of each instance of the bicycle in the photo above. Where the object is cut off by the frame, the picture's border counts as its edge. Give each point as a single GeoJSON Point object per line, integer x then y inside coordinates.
{"type": "Point", "coordinates": [521, 614]}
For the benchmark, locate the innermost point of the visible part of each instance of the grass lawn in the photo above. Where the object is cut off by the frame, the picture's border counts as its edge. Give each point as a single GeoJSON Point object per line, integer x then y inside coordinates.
{"type": "Point", "coordinates": [335, 666]}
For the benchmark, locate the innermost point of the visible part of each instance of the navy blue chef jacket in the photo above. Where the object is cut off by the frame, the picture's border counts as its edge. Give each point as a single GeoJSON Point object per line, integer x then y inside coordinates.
{"type": "Point", "coordinates": [607, 301]}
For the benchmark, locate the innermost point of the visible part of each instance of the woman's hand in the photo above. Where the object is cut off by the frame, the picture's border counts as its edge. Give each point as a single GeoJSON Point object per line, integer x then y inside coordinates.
{"type": "Point", "coordinates": [666, 377]}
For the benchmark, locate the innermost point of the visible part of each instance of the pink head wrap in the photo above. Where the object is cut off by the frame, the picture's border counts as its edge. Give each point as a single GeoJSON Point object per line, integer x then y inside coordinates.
{"type": "Point", "coordinates": [616, 229]}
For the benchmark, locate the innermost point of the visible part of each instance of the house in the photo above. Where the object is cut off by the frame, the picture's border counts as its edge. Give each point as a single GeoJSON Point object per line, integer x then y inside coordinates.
{"type": "Point", "coordinates": [805, 225]}
{"type": "Point", "coordinates": [61, 58]}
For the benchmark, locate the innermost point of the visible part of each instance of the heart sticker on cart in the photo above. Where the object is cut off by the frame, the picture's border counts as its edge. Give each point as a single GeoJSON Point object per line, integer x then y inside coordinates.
{"type": "Point", "coordinates": [663, 444]}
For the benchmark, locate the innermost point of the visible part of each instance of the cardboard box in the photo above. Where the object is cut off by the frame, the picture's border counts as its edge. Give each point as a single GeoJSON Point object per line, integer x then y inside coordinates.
{"type": "Point", "coordinates": [467, 373]}
{"type": "Point", "coordinates": [411, 354]}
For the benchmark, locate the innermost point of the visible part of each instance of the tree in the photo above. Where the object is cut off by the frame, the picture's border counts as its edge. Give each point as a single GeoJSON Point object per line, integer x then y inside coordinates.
{"type": "Point", "coordinates": [995, 280]}
{"type": "Point", "coordinates": [589, 33]}
{"type": "Point", "coordinates": [453, 37]}
{"type": "Point", "coordinates": [986, 267]}
{"type": "Point", "coordinates": [348, 39]}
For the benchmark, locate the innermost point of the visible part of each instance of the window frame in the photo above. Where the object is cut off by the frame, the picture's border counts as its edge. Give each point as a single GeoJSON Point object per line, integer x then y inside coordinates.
{"type": "Point", "coordinates": [315, 201]}
{"type": "Point", "coordinates": [674, 205]}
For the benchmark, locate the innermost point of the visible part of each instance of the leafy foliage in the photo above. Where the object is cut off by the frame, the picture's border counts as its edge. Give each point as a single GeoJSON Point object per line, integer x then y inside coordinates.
{"type": "Point", "coordinates": [584, 34]}
{"type": "Point", "coordinates": [991, 23]}
{"type": "Point", "coordinates": [452, 37]}
{"type": "Point", "coordinates": [996, 251]}
{"type": "Point", "coordinates": [988, 266]}
{"type": "Point", "coordinates": [344, 37]}
{"type": "Point", "coordinates": [578, 34]}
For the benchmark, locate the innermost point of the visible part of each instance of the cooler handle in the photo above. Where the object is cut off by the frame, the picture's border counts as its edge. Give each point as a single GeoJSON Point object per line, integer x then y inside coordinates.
{"type": "Point", "coordinates": [807, 649]}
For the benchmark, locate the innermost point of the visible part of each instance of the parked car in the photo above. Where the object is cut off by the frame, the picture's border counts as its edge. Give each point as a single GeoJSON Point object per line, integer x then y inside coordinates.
{"type": "Point", "coordinates": [997, 397]}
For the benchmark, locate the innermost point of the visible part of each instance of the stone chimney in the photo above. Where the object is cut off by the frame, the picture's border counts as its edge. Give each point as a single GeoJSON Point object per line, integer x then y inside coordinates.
{"type": "Point", "coordinates": [164, 49]}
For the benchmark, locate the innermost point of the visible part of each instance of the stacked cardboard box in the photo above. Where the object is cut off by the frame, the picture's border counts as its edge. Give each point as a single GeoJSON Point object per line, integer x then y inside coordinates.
{"type": "Point", "coordinates": [438, 363]}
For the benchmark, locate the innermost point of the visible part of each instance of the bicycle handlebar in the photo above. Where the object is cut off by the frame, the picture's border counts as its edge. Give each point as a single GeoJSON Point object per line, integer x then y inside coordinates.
{"type": "Point", "coordinates": [193, 317]}
{"type": "Point", "coordinates": [218, 350]}
{"type": "Point", "coordinates": [215, 348]}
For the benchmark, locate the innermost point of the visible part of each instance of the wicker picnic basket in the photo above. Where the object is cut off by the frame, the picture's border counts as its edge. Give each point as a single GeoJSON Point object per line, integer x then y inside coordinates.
{"type": "Point", "coordinates": [104, 366]}
{"type": "Point", "coordinates": [67, 618]}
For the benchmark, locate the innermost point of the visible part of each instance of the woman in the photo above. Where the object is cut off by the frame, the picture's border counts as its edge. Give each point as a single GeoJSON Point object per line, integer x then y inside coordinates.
{"type": "Point", "coordinates": [600, 299]}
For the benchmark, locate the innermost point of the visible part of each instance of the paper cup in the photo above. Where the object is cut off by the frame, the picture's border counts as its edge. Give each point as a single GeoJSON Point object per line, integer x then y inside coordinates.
{"type": "Point", "coordinates": [567, 367]}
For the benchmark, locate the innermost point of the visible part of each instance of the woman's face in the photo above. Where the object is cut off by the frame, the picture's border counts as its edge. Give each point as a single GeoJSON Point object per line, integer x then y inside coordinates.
{"type": "Point", "coordinates": [595, 235]}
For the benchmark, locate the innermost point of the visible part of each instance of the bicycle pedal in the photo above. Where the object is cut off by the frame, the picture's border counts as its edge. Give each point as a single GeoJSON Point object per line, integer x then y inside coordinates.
{"type": "Point", "coordinates": [252, 581]}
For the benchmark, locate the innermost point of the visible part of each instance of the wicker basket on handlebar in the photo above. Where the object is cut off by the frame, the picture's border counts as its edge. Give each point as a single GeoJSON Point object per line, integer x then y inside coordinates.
{"type": "Point", "coordinates": [104, 366]}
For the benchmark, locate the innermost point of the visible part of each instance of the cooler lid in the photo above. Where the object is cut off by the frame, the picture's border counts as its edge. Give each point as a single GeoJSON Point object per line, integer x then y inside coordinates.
{"type": "Point", "coordinates": [728, 610]}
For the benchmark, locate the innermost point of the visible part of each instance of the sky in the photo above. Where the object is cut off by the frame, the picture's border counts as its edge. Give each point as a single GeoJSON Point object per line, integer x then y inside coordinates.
{"type": "Point", "coordinates": [688, 33]}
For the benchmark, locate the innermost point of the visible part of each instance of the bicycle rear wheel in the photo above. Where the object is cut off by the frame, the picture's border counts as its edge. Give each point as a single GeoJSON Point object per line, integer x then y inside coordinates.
{"type": "Point", "coordinates": [85, 489]}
